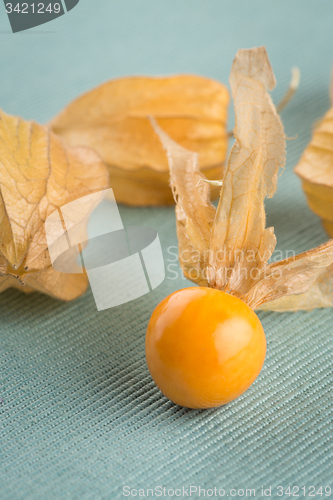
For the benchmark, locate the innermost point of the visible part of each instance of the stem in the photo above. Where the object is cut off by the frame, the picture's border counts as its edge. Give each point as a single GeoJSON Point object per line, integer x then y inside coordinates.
{"type": "Point", "coordinates": [212, 183]}
{"type": "Point", "coordinates": [293, 86]}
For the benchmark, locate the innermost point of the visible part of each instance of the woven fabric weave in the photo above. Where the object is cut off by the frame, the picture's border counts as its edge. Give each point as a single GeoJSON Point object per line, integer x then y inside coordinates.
{"type": "Point", "coordinates": [80, 415]}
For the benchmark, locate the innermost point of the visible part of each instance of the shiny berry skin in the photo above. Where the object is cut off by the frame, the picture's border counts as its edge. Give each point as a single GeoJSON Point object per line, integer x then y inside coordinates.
{"type": "Point", "coordinates": [204, 347]}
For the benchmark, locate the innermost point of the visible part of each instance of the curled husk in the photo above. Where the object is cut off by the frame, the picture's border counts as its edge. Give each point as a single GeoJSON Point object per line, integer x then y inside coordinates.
{"type": "Point", "coordinates": [113, 120]}
{"type": "Point", "coordinates": [38, 175]}
{"type": "Point", "coordinates": [228, 248]}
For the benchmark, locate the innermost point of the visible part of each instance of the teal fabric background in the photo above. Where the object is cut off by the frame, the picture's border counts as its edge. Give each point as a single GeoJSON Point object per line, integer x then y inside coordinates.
{"type": "Point", "coordinates": [80, 416]}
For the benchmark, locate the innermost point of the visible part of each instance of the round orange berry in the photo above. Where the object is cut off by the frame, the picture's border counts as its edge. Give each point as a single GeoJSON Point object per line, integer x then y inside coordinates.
{"type": "Point", "coordinates": [204, 347]}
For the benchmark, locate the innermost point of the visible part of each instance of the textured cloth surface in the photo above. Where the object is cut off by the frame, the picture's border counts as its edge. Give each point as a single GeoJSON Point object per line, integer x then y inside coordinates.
{"type": "Point", "coordinates": [80, 416]}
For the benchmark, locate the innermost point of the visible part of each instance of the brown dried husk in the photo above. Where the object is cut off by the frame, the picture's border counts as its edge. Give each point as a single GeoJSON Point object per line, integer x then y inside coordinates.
{"type": "Point", "coordinates": [38, 174]}
{"type": "Point", "coordinates": [229, 248]}
{"type": "Point", "coordinates": [113, 120]}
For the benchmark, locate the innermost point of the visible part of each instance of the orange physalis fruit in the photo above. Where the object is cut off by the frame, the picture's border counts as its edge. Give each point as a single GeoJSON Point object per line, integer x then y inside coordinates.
{"type": "Point", "coordinates": [204, 347]}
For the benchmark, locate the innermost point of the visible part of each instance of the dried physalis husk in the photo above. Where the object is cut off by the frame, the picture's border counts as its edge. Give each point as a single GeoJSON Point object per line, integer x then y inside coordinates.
{"type": "Point", "coordinates": [229, 248]}
{"type": "Point", "coordinates": [112, 119]}
{"type": "Point", "coordinates": [315, 169]}
{"type": "Point", "coordinates": [38, 174]}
